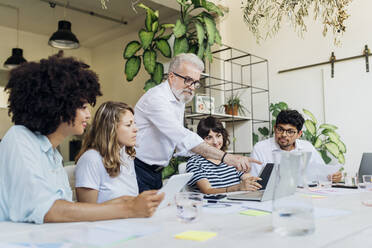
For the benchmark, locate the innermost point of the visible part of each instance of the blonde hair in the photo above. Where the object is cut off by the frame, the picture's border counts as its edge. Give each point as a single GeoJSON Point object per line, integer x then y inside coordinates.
{"type": "Point", "coordinates": [102, 136]}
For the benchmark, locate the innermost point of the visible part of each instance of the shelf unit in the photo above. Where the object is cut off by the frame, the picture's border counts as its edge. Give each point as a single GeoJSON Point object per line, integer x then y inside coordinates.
{"type": "Point", "coordinates": [234, 72]}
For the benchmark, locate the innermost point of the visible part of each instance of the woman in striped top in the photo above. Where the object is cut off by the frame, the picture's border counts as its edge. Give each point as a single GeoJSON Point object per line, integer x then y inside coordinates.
{"type": "Point", "coordinates": [213, 176]}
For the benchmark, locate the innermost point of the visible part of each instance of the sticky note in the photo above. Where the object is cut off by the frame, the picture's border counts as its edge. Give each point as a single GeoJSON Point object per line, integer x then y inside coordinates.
{"type": "Point", "coordinates": [195, 235]}
{"type": "Point", "coordinates": [314, 196]}
{"type": "Point", "coordinates": [252, 212]}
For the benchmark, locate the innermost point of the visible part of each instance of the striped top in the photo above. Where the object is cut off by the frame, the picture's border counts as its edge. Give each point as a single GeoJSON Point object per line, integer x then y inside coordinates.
{"type": "Point", "coordinates": [219, 175]}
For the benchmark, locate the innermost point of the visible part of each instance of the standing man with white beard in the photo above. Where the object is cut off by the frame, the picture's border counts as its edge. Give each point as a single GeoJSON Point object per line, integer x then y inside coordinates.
{"type": "Point", "coordinates": [159, 116]}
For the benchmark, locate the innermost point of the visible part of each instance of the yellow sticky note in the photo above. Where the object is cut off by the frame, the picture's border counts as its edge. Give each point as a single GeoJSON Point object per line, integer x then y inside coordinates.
{"type": "Point", "coordinates": [195, 235]}
{"type": "Point", "coordinates": [314, 196]}
{"type": "Point", "coordinates": [252, 212]}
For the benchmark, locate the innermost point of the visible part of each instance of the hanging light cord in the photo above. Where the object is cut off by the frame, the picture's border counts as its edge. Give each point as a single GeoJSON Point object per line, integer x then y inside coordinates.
{"type": "Point", "coordinates": [64, 10]}
{"type": "Point", "coordinates": [17, 9]}
{"type": "Point", "coordinates": [17, 27]}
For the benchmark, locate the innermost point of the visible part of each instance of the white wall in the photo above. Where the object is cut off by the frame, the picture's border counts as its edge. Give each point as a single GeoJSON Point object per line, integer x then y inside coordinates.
{"type": "Point", "coordinates": [109, 64]}
{"type": "Point", "coordinates": [347, 95]}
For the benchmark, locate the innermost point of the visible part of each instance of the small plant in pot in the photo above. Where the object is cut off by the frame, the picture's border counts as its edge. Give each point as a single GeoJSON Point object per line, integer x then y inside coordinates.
{"type": "Point", "coordinates": [234, 106]}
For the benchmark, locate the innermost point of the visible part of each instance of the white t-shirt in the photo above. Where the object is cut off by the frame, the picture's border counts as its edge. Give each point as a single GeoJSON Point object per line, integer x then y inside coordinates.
{"type": "Point", "coordinates": [91, 173]}
{"type": "Point", "coordinates": [316, 169]}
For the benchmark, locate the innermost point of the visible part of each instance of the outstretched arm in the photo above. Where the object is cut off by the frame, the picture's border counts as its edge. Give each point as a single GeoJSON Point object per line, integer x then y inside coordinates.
{"type": "Point", "coordinates": [144, 205]}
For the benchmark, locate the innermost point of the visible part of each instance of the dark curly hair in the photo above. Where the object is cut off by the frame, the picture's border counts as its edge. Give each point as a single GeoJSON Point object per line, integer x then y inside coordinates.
{"type": "Point", "coordinates": [44, 94]}
{"type": "Point", "coordinates": [292, 117]}
{"type": "Point", "coordinates": [210, 123]}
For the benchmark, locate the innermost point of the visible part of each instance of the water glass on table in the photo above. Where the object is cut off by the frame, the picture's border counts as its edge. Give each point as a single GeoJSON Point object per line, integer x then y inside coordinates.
{"type": "Point", "coordinates": [189, 206]}
{"type": "Point", "coordinates": [365, 189]}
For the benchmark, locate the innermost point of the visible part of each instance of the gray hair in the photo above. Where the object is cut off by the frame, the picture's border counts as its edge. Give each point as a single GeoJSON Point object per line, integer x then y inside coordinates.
{"type": "Point", "coordinates": [185, 57]}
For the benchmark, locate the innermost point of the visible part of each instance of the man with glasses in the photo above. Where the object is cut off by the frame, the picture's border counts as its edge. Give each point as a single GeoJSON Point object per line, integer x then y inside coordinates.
{"type": "Point", "coordinates": [287, 131]}
{"type": "Point", "coordinates": [159, 115]}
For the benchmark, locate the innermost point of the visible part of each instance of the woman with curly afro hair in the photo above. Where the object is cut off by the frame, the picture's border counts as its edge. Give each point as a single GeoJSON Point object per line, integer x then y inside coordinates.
{"type": "Point", "coordinates": [48, 101]}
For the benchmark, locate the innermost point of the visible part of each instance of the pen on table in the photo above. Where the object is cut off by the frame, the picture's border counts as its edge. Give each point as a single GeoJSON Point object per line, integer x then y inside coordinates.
{"type": "Point", "coordinates": [228, 202]}
{"type": "Point", "coordinates": [257, 209]}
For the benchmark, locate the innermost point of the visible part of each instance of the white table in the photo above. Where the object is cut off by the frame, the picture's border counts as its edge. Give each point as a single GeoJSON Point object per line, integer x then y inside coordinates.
{"type": "Point", "coordinates": [234, 230]}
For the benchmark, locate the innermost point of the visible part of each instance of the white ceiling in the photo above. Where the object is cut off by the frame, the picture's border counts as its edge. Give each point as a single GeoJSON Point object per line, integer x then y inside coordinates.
{"type": "Point", "coordinates": [38, 17]}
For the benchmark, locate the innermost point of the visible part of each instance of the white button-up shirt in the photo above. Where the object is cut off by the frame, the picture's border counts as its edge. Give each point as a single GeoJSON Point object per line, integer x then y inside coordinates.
{"type": "Point", "coordinates": [31, 176]}
{"type": "Point", "coordinates": [263, 152]}
{"type": "Point", "coordinates": [159, 118]}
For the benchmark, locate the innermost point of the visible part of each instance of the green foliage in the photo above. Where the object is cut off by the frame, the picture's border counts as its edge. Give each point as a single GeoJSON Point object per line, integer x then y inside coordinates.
{"type": "Point", "coordinates": [180, 46]}
{"type": "Point", "coordinates": [132, 67]}
{"type": "Point", "coordinates": [158, 73]}
{"type": "Point", "coordinates": [172, 167]}
{"type": "Point", "coordinates": [199, 31]}
{"type": "Point", "coordinates": [131, 49]}
{"type": "Point", "coordinates": [324, 138]}
{"type": "Point", "coordinates": [152, 40]}
{"type": "Point", "coordinates": [149, 84]}
{"type": "Point", "coordinates": [163, 46]}
{"type": "Point", "coordinates": [193, 33]}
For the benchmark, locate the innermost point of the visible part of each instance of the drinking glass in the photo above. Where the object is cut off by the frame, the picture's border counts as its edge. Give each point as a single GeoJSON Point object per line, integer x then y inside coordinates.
{"type": "Point", "coordinates": [365, 189]}
{"type": "Point", "coordinates": [189, 206]}
{"type": "Point", "coordinates": [292, 213]}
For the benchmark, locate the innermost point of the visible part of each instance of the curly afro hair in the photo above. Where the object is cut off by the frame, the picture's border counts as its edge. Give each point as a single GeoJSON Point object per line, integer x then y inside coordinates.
{"type": "Point", "coordinates": [44, 94]}
{"type": "Point", "coordinates": [292, 117]}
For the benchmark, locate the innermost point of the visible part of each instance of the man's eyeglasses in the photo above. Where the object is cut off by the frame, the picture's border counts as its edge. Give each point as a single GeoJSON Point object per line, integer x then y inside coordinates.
{"type": "Point", "coordinates": [189, 81]}
{"type": "Point", "coordinates": [290, 132]}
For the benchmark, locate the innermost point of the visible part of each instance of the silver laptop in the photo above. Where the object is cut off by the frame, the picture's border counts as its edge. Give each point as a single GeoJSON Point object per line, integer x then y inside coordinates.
{"type": "Point", "coordinates": [260, 195]}
{"type": "Point", "coordinates": [284, 187]}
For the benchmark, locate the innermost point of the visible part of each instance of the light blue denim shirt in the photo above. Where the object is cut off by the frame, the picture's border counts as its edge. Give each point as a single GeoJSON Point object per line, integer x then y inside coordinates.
{"type": "Point", "coordinates": [32, 177]}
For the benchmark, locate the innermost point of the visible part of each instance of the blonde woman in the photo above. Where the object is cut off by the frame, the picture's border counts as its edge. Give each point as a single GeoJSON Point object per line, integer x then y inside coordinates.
{"type": "Point", "coordinates": [105, 169]}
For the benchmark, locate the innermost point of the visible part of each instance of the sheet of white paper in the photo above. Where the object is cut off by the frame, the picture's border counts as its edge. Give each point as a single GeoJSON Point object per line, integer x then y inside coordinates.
{"type": "Point", "coordinates": [329, 212]}
{"type": "Point", "coordinates": [109, 233]}
{"type": "Point", "coordinates": [320, 172]}
{"type": "Point", "coordinates": [268, 206]}
{"type": "Point", "coordinates": [359, 238]}
{"type": "Point", "coordinates": [34, 245]}
{"type": "Point", "coordinates": [222, 208]}
{"type": "Point", "coordinates": [331, 191]}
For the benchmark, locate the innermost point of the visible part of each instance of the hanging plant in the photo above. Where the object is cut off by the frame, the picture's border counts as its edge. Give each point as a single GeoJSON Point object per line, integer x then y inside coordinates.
{"type": "Point", "coordinates": [271, 13]}
{"type": "Point", "coordinates": [196, 33]}
{"type": "Point", "coordinates": [152, 41]}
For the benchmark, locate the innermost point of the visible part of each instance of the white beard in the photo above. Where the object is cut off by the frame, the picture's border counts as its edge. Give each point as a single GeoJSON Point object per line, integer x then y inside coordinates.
{"type": "Point", "coordinates": [184, 98]}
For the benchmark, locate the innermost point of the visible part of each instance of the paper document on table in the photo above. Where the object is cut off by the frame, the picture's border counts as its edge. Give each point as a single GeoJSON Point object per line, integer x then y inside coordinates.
{"type": "Point", "coordinates": [320, 172]}
{"type": "Point", "coordinates": [109, 233]}
{"type": "Point", "coordinates": [34, 245]}
{"type": "Point", "coordinates": [329, 212]}
{"type": "Point", "coordinates": [359, 238]}
{"type": "Point", "coordinates": [222, 208]}
{"type": "Point", "coordinates": [330, 191]}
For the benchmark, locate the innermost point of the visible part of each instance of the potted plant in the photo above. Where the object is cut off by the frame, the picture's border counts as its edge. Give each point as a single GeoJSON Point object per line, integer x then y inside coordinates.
{"type": "Point", "coordinates": [152, 41]}
{"type": "Point", "coordinates": [324, 138]}
{"type": "Point", "coordinates": [234, 106]}
{"type": "Point", "coordinates": [192, 33]}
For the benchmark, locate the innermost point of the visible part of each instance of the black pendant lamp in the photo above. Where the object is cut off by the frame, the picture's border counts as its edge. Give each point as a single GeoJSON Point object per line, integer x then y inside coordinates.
{"type": "Point", "coordinates": [16, 59]}
{"type": "Point", "coordinates": [17, 53]}
{"type": "Point", "coordinates": [64, 38]}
